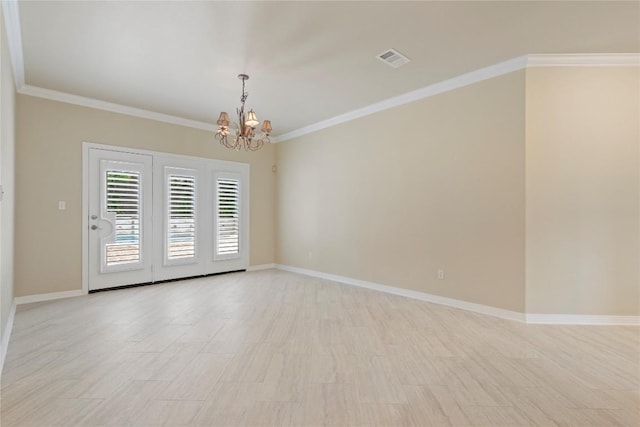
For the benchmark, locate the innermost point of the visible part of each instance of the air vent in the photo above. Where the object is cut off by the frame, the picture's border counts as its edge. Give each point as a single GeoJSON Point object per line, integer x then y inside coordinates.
{"type": "Point", "coordinates": [393, 58]}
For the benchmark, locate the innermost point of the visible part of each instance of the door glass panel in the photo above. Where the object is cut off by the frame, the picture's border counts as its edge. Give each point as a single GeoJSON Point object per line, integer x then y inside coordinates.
{"type": "Point", "coordinates": [181, 232]}
{"type": "Point", "coordinates": [123, 201]}
{"type": "Point", "coordinates": [228, 217]}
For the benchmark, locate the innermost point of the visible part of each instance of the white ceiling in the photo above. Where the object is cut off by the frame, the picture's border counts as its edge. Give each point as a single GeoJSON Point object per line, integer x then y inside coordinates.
{"type": "Point", "coordinates": [308, 61]}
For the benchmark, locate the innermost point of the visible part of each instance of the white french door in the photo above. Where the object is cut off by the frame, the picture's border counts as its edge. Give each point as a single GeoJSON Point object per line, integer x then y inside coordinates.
{"type": "Point", "coordinates": [120, 209]}
{"type": "Point", "coordinates": [180, 222]}
{"type": "Point", "coordinates": [229, 233]}
{"type": "Point", "coordinates": [154, 217]}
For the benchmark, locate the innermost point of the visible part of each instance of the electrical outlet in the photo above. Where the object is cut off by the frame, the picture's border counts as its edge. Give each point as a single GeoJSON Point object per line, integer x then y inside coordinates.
{"type": "Point", "coordinates": [62, 205]}
{"type": "Point", "coordinates": [440, 274]}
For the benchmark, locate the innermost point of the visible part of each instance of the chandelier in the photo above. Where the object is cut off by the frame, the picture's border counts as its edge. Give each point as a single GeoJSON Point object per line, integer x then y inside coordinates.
{"type": "Point", "coordinates": [245, 129]}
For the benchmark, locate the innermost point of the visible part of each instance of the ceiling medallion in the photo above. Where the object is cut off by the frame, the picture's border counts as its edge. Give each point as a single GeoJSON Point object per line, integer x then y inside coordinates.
{"type": "Point", "coordinates": [245, 129]}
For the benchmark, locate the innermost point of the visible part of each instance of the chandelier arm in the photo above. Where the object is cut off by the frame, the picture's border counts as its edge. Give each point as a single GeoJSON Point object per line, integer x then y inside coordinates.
{"type": "Point", "coordinates": [254, 145]}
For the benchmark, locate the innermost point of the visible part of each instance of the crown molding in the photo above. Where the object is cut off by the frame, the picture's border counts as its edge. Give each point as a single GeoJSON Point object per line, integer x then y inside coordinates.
{"type": "Point", "coordinates": [584, 60]}
{"type": "Point", "coordinates": [14, 40]}
{"type": "Point", "coordinates": [112, 107]}
{"type": "Point", "coordinates": [485, 73]}
{"type": "Point", "coordinates": [515, 64]}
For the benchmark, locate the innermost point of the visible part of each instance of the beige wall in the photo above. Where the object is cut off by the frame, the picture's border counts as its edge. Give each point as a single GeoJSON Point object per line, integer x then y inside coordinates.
{"type": "Point", "coordinates": [49, 169]}
{"type": "Point", "coordinates": [582, 186]}
{"type": "Point", "coordinates": [7, 146]}
{"type": "Point", "coordinates": [440, 183]}
{"type": "Point", "coordinates": [392, 197]}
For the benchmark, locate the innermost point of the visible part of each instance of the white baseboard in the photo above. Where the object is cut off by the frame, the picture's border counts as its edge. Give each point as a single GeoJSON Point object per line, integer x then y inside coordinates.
{"type": "Point", "coordinates": [450, 302]}
{"type": "Point", "coordinates": [6, 335]}
{"type": "Point", "coordinates": [550, 319]}
{"type": "Point", "coordinates": [47, 297]}
{"type": "Point", "coordinates": [582, 319]}
{"type": "Point", "coordinates": [261, 267]}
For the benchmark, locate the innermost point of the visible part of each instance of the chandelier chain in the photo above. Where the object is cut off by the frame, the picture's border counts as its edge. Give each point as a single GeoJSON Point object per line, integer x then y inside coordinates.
{"type": "Point", "coordinates": [245, 94]}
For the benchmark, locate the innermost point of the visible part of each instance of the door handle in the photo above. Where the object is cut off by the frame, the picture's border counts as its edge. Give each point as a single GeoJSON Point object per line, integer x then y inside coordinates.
{"type": "Point", "coordinates": [95, 227]}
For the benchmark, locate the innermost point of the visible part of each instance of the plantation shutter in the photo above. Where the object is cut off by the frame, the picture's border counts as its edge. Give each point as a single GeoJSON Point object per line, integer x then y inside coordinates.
{"type": "Point", "coordinates": [123, 201]}
{"type": "Point", "coordinates": [227, 218]}
{"type": "Point", "coordinates": [181, 224]}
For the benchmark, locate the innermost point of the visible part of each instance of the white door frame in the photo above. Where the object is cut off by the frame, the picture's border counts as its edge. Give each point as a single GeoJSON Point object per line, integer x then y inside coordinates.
{"type": "Point", "coordinates": [86, 146]}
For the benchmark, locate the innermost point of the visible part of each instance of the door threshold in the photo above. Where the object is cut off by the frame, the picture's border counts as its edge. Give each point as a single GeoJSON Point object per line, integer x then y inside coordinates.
{"type": "Point", "coordinates": [137, 285]}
